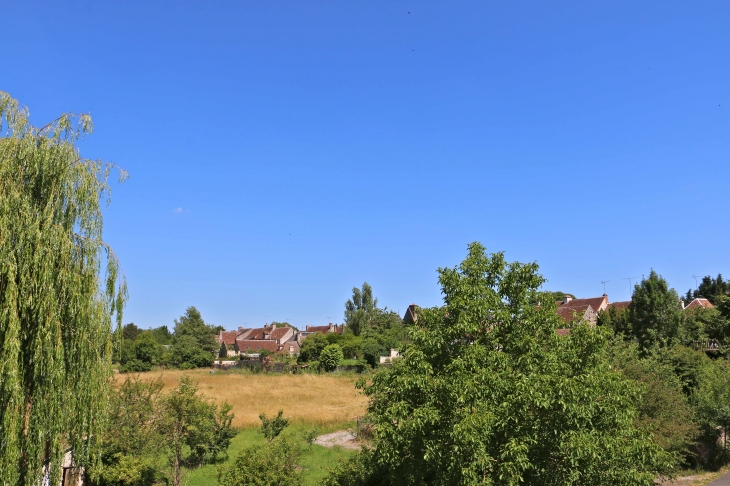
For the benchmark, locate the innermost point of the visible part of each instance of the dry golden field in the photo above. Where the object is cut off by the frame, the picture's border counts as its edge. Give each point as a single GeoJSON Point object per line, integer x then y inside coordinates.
{"type": "Point", "coordinates": [310, 399]}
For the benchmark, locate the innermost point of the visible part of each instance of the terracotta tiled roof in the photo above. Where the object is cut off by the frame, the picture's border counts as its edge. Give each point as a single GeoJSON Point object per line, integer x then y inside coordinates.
{"type": "Point", "coordinates": [279, 332]}
{"type": "Point", "coordinates": [256, 345]}
{"type": "Point", "coordinates": [326, 329]}
{"type": "Point", "coordinates": [620, 305]}
{"type": "Point", "coordinates": [258, 333]}
{"type": "Point", "coordinates": [573, 313]}
{"type": "Point", "coordinates": [227, 337]}
{"type": "Point", "coordinates": [562, 332]}
{"type": "Point", "coordinates": [700, 303]}
{"type": "Point", "coordinates": [597, 303]}
{"type": "Point", "coordinates": [322, 329]}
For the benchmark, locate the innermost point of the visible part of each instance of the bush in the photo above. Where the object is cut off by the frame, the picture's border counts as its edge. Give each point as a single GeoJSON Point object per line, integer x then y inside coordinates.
{"type": "Point", "coordinates": [312, 346]}
{"type": "Point", "coordinates": [331, 357]}
{"type": "Point", "coordinates": [372, 351]}
{"type": "Point", "coordinates": [272, 427]}
{"type": "Point", "coordinates": [135, 366]}
{"type": "Point", "coordinates": [272, 464]}
{"type": "Point", "coordinates": [187, 354]}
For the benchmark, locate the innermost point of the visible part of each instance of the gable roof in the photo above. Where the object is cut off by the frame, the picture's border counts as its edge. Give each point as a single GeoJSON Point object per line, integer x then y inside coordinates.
{"type": "Point", "coordinates": [620, 305]}
{"type": "Point", "coordinates": [700, 303]}
{"type": "Point", "coordinates": [227, 337]}
{"type": "Point", "coordinates": [280, 332]}
{"type": "Point", "coordinates": [410, 316]}
{"type": "Point", "coordinates": [326, 329]}
{"type": "Point", "coordinates": [597, 303]}
{"type": "Point", "coordinates": [255, 345]}
{"type": "Point", "coordinates": [573, 313]}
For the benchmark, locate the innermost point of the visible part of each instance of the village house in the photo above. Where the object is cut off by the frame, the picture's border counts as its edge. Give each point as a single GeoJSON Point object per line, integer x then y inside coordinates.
{"type": "Point", "coordinates": [573, 310]}
{"type": "Point", "coordinates": [284, 339]}
{"type": "Point", "coordinates": [697, 303]}
{"type": "Point", "coordinates": [309, 330]}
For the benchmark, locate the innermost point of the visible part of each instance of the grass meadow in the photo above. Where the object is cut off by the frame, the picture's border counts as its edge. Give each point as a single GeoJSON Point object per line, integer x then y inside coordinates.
{"type": "Point", "coordinates": [315, 463]}
{"type": "Point", "coordinates": [325, 402]}
{"type": "Point", "coordinates": [306, 399]}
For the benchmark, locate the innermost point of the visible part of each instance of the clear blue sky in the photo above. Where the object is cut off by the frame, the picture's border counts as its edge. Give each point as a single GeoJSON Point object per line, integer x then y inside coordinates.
{"type": "Point", "coordinates": [281, 153]}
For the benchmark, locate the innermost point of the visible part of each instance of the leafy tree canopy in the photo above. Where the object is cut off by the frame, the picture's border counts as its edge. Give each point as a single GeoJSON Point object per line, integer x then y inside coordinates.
{"type": "Point", "coordinates": [272, 427]}
{"type": "Point", "coordinates": [331, 357]}
{"type": "Point", "coordinates": [130, 331]}
{"type": "Point", "coordinates": [711, 289]}
{"type": "Point", "coordinates": [487, 393]}
{"type": "Point", "coordinates": [192, 324]}
{"type": "Point", "coordinates": [273, 464]}
{"type": "Point", "coordinates": [56, 307]}
{"type": "Point", "coordinates": [162, 335]}
{"type": "Point", "coordinates": [655, 313]}
{"type": "Point", "coordinates": [312, 347]}
{"type": "Point", "coordinates": [187, 353]}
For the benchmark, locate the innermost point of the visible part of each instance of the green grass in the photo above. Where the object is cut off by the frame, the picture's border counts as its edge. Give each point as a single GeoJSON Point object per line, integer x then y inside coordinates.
{"type": "Point", "coordinates": [315, 464]}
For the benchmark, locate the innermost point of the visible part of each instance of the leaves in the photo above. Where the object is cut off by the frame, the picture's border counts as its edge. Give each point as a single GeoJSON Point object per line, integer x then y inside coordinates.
{"type": "Point", "coordinates": [487, 393]}
{"type": "Point", "coordinates": [56, 307]}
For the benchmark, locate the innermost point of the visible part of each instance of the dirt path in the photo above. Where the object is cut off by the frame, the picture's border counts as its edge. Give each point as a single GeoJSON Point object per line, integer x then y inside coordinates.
{"type": "Point", "coordinates": [342, 438]}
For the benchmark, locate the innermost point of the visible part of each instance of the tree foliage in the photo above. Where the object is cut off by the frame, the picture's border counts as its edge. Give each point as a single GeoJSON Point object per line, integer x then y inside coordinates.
{"type": "Point", "coordinates": [193, 430]}
{"type": "Point", "coordinates": [487, 393]}
{"type": "Point", "coordinates": [331, 357]}
{"type": "Point", "coordinates": [130, 440]}
{"type": "Point", "coordinates": [192, 324]}
{"type": "Point", "coordinates": [272, 427]}
{"type": "Point", "coordinates": [145, 424]}
{"type": "Point", "coordinates": [711, 289]}
{"type": "Point", "coordinates": [274, 464]}
{"type": "Point", "coordinates": [56, 308]}
{"type": "Point", "coordinates": [655, 313]}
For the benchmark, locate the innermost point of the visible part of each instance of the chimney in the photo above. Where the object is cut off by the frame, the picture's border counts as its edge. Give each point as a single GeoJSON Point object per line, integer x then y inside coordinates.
{"type": "Point", "coordinates": [332, 327]}
{"type": "Point", "coordinates": [681, 301]}
{"type": "Point", "coordinates": [567, 299]}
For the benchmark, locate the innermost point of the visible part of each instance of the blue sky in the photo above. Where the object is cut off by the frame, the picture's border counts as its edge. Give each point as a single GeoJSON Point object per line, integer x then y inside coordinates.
{"type": "Point", "coordinates": [281, 153]}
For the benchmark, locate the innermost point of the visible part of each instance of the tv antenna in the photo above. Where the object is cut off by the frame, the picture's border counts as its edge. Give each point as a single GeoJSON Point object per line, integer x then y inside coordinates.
{"type": "Point", "coordinates": [695, 277]}
{"type": "Point", "coordinates": [604, 282]}
{"type": "Point", "coordinates": [630, 286]}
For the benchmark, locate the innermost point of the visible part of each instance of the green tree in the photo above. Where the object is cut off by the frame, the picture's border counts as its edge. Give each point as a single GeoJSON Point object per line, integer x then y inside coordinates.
{"type": "Point", "coordinates": [712, 400]}
{"type": "Point", "coordinates": [487, 393]}
{"type": "Point", "coordinates": [192, 324]}
{"type": "Point", "coordinates": [372, 350]}
{"type": "Point", "coordinates": [312, 346]}
{"type": "Point", "coordinates": [331, 357]}
{"type": "Point", "coordinates": [193, 429]}
{"type": "Point", "coordinates": [711, 289]}
{"type": "Point", "coordinates": [359, 308]}
{"type": "Point", "coordinates": [130, 331]}
{"type": "Point", "coordinates": [56, 307]}
{"type": "Point", "coordinates": [131, 441]}
{"type": "Point", "coordinates": [187, 353]}
{"type": "Point", "coordinates": [655, 313]}
{"type": "Point", "coordinates": [272, 427]}
{"type": "Point", "coordinates": [274, 464]}
{"type": "Point", "coordinates": [615, 319]}
{"type": "Point", "coordinates": [146, 348]}
{"type": "Point", "coordinates": [663, 408]}
{"type": "Point", "coordinates": [162, 335]}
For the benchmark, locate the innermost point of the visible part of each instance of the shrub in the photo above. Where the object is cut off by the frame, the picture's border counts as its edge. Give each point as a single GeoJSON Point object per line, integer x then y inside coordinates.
{"type": "Point", "coordinates": [272, 427]}
{"type": "Point", "coordinates": [331, 357]}
{"type": "Point", "coordinates": [135, 366]}
{"type": "Point", "coordinates": [272, 464]}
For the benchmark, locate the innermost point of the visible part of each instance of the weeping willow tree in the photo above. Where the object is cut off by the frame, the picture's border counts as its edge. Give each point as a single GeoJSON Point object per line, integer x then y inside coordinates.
{"type": "Point", "coordinates": [57, 307]}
